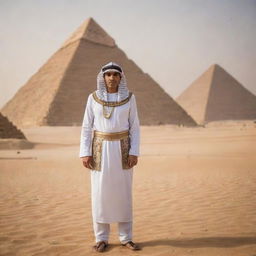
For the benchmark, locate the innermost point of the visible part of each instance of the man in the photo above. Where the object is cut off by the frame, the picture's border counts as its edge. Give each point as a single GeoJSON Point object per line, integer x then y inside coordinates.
{"type": "Point", "coordinates": [111, 153]}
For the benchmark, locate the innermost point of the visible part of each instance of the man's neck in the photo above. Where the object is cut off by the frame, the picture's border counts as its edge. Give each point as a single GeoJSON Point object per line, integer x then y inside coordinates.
{"type": "Point", "coordinates": [112, 91]}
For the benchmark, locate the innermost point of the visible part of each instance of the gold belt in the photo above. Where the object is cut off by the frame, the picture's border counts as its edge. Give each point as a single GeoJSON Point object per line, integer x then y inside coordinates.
{"type": "Point", "coordinates": [111, 135]}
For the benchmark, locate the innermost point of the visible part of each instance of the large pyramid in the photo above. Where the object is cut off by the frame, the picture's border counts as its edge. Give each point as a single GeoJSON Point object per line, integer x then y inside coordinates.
{"type": "Point", "coordinates": [56, 94]}
{"type": "Point", "coordinates": [216, 96]}
{"type": "Point", "coordinates": [8, 130]}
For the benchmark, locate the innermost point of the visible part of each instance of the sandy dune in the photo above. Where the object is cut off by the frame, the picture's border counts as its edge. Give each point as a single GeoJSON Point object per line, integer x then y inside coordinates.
{"type": "Point", "coordinates": [194, 194]}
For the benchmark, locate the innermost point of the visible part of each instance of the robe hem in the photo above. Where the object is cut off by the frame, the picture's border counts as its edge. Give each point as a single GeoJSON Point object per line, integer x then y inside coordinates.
{"type": "Point", "coordinates": [113, 221]}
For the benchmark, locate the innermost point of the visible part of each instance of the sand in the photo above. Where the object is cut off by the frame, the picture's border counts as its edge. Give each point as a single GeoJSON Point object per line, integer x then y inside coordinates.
{"type": "Point", "coordinates": [194, 193]}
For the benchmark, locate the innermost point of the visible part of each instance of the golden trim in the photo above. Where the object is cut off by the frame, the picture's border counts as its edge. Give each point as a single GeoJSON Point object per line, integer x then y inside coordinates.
{"type": "Point", "coordinates": [125, 147]}
{"type": "Point", "coordinates": [112, 135]}
{"type": "Point", "coordinates": [111, 103]}
{"type": "Point", "coordinates": [96, 153]}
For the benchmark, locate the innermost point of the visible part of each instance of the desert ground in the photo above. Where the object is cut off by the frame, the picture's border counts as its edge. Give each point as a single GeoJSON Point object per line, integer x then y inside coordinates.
{"type": "Point", "coordinates": [194, 193]}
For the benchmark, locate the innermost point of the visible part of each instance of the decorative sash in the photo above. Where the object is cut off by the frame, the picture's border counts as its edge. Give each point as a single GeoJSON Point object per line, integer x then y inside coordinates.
{"type": "Point", "coordinates": [99, 137]}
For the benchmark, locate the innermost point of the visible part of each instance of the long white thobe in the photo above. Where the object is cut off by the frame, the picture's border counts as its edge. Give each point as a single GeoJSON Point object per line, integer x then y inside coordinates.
{"type": "Point", "coordinates": [111, 187]}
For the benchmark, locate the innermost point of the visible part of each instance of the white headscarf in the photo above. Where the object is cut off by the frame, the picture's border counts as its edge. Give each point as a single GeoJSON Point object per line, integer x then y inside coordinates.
{"type": "Point", "coordinates": [101, 92]}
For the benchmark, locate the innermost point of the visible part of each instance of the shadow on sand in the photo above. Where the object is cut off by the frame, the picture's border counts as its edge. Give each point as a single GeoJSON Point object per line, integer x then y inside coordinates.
{"type": "Point", "coordinates": [222, 242]}
{"type": "Point", "coordinates": [202, 242]}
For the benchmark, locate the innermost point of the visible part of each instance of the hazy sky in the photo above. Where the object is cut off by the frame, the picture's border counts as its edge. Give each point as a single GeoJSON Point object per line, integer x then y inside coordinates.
{"type": "Point", "coordinates": [174, 41]}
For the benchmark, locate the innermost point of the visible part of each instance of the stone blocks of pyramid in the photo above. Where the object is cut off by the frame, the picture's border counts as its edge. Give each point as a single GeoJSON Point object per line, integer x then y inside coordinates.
{"type": "Point", "coordinates": [56, 95]}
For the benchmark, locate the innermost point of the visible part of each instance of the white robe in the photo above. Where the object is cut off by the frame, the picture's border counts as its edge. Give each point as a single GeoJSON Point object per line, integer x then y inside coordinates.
{"type": "Point", "coordinates": [111, 187]}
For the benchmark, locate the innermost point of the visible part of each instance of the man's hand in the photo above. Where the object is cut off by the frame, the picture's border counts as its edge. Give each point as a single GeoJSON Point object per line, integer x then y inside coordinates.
{"type": "Point", "coordinates": [132, 160]}
{"type": "Point", "coordinates": [87, 161]}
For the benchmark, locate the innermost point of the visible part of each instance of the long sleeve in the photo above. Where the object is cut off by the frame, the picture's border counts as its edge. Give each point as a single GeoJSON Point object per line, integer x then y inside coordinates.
{"type": "Point", "coordinates": [86, 132]}
{"type": "Point", "coordinates": [134, 128]}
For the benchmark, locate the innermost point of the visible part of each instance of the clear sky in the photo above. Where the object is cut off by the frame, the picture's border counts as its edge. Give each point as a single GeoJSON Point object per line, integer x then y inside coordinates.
{"type": "Point", "coordinates": [174, 41]}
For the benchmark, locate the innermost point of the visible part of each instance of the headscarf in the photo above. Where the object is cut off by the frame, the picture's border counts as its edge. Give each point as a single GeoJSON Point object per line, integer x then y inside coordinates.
{"type": "Point", "coordinates": [101, 92]}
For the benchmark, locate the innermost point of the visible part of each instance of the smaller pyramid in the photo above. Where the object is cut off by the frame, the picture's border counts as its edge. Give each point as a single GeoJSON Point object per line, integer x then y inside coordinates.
{"type": "Point", "coordinates": [217, 96]}
{"type": "Point", "coordinates": [8, 130]}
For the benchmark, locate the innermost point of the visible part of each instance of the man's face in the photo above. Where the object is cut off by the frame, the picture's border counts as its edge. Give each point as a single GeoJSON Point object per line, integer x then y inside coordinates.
{"type": "Point", "coordinates": [112, 80]}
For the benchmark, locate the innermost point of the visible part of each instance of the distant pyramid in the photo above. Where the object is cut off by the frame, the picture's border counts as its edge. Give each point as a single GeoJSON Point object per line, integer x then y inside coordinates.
{"type": "Point", "coordinates": [216, 96]}
{"type": "Point", "coordinates": [57, 93]}
{"type": "Point", "coordinates": [8, 130]}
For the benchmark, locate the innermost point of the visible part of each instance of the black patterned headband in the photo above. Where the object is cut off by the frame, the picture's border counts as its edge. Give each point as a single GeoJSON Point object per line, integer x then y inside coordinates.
{"type": "Point", "coordinates": [112, 67]}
